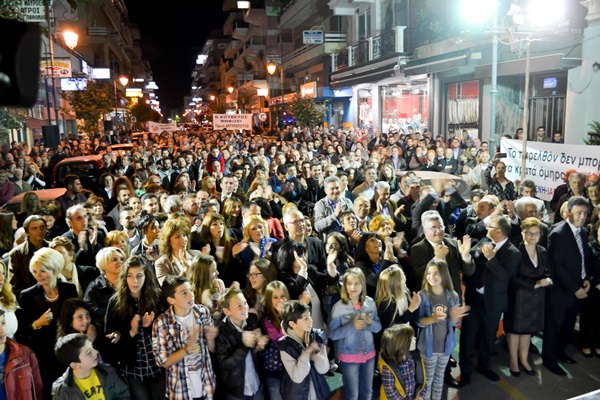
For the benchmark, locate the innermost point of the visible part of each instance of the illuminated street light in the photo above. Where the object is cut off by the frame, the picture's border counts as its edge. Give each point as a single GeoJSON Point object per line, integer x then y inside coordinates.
{"type": "Point", "coordinates": [243, 5]}
{"type": "Point", "coordinates": [230, 89]}
{"type": "Point", "coordinates": [212, 97]}
{"type": "Point", "coordinates": [71, 39]}
{"type": "Point", "coordinates": [271, 68]}
{"type": "Point", "coordinates": [124, 80]}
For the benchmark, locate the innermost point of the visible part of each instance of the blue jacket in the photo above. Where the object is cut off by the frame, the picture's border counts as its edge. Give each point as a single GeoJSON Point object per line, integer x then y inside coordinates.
{"type": "Point", "coordinates": [425, 337]}
{"type": "Point", "coordinates": [341, 327]}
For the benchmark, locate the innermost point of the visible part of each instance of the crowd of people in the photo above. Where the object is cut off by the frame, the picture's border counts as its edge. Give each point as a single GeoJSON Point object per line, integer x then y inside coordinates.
{"type": "Point", "coordinates": [227, 265]}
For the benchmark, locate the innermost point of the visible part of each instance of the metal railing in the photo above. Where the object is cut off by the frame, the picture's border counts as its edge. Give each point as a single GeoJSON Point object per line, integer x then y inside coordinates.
{"type": "Point", "coordinates": [329, 37]}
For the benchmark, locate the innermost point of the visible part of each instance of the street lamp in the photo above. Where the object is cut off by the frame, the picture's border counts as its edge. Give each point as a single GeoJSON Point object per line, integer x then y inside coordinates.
{"type": "Point", "coordinates": [123, 80]}
{"type": "Point", "coordinates": [212, 97]}
{"type": "Point", "coordinates": [230, 89]}
{"type": "Point", "coordinates": [71, 39]}
{"type": "Point", "coordinates": [271, 67]}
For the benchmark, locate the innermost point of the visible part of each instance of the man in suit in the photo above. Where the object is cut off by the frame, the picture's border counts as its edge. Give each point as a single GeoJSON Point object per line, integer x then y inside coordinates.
{"type": "Point", "coordinates": [329, 209]}
{"type": "Point", "coordinates": [449, 163]}
{"type": "Point", "coordinates": [367, 188]}
{"type": "Point", "coordinates": [496, 260]}
{"type": "Point", "coordinates": [570, 258]}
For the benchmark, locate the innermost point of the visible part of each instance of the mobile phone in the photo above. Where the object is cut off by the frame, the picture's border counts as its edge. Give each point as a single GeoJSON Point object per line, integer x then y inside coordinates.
{"type": "Point", "coordinates": [500, 155]}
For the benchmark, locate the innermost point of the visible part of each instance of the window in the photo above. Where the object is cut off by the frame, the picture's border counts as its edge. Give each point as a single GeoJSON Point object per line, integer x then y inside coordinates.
{"type": "Point", "coordinates": [364, 25]}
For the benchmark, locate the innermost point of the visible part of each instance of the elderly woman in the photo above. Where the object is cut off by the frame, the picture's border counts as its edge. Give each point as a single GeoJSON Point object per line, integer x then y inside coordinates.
{"type": "Point", "coordinates": [40, 308]}
{"type": "Point", "coordinates": [173, 244]}
{"type": "Point", "coordinates": [104, 222]}
{"type": "Point", "coordinates": [80, 276]}
{"type": "Point", "coordinates": [109, 261]}
{"type": "Point", "coordinates": [526, 297]}
{"type": "Point", "coordinates": [119, 240]}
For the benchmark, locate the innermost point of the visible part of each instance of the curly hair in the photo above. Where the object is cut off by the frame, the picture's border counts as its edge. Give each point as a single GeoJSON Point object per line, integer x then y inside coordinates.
{"type": "Point", "coordinates": [67, 311]}
{"type": "Point", "coordinates": [172, 226]}
{"type": "Point", "coordinates": [150, 300]}
{"type": "Point", "coordinates": [117, 237]}
{"type": "Point", "coordinates": [7, 297]}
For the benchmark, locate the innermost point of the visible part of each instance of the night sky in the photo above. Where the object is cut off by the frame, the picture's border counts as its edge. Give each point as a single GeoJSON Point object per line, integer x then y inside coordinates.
{"type": "Point", "coordinates": [173, 33]}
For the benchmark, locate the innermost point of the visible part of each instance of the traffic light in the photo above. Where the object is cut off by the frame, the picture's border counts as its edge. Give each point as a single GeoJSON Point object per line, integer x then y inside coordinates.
{"type": "Point", "coordinates": [19, 63]}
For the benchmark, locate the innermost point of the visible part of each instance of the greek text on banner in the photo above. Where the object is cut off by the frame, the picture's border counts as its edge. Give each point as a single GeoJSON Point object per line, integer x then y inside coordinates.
{"type": "Point", "coordinates": [547, 163]}
{"type": "Point", "coordinates": [232, 121]}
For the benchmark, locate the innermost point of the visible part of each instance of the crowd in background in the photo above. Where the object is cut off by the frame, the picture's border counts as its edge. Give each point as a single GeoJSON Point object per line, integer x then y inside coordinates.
{"type": "Point", "coordinates": [207, 264]}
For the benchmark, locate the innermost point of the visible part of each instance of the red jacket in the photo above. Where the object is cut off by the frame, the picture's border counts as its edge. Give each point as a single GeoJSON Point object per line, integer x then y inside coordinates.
{"type": "Point", "coordinates": [22, 379]}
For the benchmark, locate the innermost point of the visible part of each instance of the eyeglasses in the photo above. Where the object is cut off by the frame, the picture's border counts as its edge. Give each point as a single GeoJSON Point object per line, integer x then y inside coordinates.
{"type": "Point", "coordinates": [297, 222]}
{"type": "Point", "coordinates": [436, 229]}
{"type": "Point", "coordinates": [255, 275]}
{"type": "Point", "coordinates": [534, 234]}
{"type": "Point", "coordinates": [493, 227]}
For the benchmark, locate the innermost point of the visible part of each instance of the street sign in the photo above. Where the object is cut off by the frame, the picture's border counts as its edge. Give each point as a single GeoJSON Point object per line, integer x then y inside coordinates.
{"type": "Point", "coordinates": [273, 58]}
{"type": "Point", "coordinates": [33, 10]}
{"type": "Point", "coordinates": [262, 117]}
{"type": "Point", "coordinates": [312, 37]}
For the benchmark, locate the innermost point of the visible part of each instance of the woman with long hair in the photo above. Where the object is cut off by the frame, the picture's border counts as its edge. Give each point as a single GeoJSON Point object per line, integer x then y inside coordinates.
{"type": "Point", "coordinates": [336, 247]}
{"type": "Point", "coordinates": [387, 174]}
{"type": "Point", "coordinates": [131, 312]}
{"type": "Point", "coordinates": [372, 259]}
{"type": "Point", "coordinates": [261, 273]}
{"type": "Point", "coordinates": [8, 302]}
{"type": "Point", "coordinates": [173, 244]}
{"type": "Point", "coordinates": [8, 226]}
{"type": "Point", "coordinates": [138, 185]}
{"type": "Point", "coordinates": [209, 185]}
{"type": "Point", "coordinates": [29, 206]}
{"type": "Point", "coordinates": [205, 283]}
{"type": "Point", "coordinates": [305, 282]}
{"type": "Point", "coordinates": [232, 212]}
{"type": "Point", "coordinates": [34, 176]}
{"type": "Point", "coordinates": [213, 234]}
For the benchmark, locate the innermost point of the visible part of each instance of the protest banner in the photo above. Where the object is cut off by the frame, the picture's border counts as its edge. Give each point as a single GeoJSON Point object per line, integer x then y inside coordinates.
{"type": "Point", "coordinates": [155, 127]}
{"type": "Point", "coordinates": [232, 121]}
{"type": "Point", "coordinates": [547, 163]}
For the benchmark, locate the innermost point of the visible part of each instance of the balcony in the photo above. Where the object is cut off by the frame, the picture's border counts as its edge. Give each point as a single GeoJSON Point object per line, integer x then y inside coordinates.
{"type": "Point", "coordinates": [249, 51]}
{"type": "Point", "coordinates": [295, 12]}
{"type": "Point", "coordinates": [232, 49]}
{"type": "Point", "coordinates": [372, 49]}
{"type": "Point", "coordinates": [256, 16]}
{"type": "Point", "coordinates": [240, 30]}
{"type": "Point", "coordinates": [229, 24]}
{"type": "Point", "coordinates": [334, 42]}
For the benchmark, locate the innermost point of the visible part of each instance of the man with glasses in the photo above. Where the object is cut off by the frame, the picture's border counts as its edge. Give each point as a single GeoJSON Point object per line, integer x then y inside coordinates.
{"type": "Point", "coordinates": [486, 291]}
{"type": "Point", "coordinates": [294, 223]}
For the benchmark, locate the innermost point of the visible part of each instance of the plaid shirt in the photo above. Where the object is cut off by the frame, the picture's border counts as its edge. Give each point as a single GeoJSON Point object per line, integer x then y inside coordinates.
{"type": "Point", "coordinates": [167, 338]}
{"type": "Point", "coordinates": [406, 380]}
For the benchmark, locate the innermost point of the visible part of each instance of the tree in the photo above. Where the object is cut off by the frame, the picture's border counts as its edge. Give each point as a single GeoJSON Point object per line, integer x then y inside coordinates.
{"type": "Point", "coordinates": [594, 134]}
{"type": "Point", "coordinates": [144, 113]}
{"type": "Point", "coordinates": [307, 112]}
{"type": "Point", "coordinates": [91, 104]}
{"type": "Point", "coordinates": [11, 118]}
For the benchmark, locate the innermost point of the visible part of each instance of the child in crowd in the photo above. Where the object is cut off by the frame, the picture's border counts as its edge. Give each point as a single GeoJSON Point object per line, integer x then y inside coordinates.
{"type": "Point", "coordinates": [440, 311]}
{"type": "Point", "coordinates": [85, 378]}
{"type": "Point", "coordinates": [204, 282]}
{"type": "Point", "coordinates": [182, 338]}
{"type": "Point", "coordinates": [275, 297]}
{"type": "Point", "coordinates": [238, 342]}
{"type": "Point", "coordinates": [352, 324]}
{"type": "Point", "coordinates": [21, 377]}
{"type": "Point", "coordinates": [304, 355]}
{"type": "Point", "coordinates": [401, 367]}
{"type": "Point", "coordinates": [394, 302]}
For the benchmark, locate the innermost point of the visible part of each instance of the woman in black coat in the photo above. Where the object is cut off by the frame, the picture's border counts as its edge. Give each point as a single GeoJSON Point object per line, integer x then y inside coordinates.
{"type": "Point", "coordinates": [303, 281]}
{"type": "Point", "coordinates": [40, 308]}
{"type": "Point", "coordinates": [372, 259]}
{"type": "Point", "coordinates": [526, 297]}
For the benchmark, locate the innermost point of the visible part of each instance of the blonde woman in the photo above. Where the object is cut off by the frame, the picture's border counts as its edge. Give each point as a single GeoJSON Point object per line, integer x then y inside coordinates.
{"type": "Point", "coordinates": [173, 244]}
{"type": "Point", "coordinates": [119, 240]}
{"type": "Point", "coordinates": [80, 276]}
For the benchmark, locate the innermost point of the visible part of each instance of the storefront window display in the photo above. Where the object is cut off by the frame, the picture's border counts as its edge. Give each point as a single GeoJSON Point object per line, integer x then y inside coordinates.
{"type": "Point", "coordinates": [365, 109]}
{"type": "Point", "coordinates": [463, 108]}
{"type": "Point", "coordinates": [403, 107]}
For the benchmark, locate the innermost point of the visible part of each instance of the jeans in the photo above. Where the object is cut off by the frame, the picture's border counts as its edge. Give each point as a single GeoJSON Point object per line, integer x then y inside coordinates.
{"type": "Point", "coordinates": [146, 389]}
{"type": "Point", "coordinates": [273, 387]}
{"type": "Point", "coordinates": [358, 379]}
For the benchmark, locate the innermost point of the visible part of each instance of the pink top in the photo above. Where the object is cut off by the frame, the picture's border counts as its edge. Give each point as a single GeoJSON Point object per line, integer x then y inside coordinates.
{"type": "Point", "coordinates": [356, 358]}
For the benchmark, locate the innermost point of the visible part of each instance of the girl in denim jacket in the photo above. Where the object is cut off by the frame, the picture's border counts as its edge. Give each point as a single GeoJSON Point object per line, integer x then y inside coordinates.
{"type": "Point", "coordinates": [352, 324]}
{"type": "Point", "coordinates": [440, 311]}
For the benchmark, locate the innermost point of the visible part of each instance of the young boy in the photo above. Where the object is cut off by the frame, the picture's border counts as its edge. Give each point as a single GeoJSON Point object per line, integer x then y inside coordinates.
{"type": "Point", "coordinates": [85, 378]}
{"type": "Point", "coordinates": [21, 374]}
{"type": "Point", "coordinates": [182, 338]}
{"type": "Point", "coordinates": [303, 355]}
{"type": "Point", "coordinates": [238, 341]}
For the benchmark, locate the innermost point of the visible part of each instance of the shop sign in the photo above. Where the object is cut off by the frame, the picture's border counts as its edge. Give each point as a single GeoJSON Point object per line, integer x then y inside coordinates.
{"type": "Point", "coordinates": [155, 127]}
{"type": "Point", "coordinates": [308, 90]}
{"type": "Point", "coordinates": [62, 68]}
{"type": "Point", "coordinates": [262, 117]}
{"type": "Point", "coordinates": [287, 98]}
{"type": "Point", "coordinates": [33, 10]}
{"type": "Point", "coordinates": [312, 37]}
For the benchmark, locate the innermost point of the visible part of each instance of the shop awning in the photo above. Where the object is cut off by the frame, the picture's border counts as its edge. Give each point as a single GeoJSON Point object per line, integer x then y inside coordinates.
{"type": "Point", "coordinates": [442, 62]}
{"type": "Point", "coordinates": [370, 72]}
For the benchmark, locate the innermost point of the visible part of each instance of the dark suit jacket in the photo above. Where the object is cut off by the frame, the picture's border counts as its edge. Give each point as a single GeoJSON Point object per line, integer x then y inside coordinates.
{"type": "Point", "coordinates": [422, 252]}
{"type": "Point", "coordinates": [449, 166]}
{"type": "Point", "coordinates": [497, 273]}
{"type": "Point", "coordinates": [316, 252]}
{"type": "Point", "coordinates": [565, 264]}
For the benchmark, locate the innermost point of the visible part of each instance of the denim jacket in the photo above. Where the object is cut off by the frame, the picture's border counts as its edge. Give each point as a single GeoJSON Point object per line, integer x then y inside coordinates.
{"type": "Point", "coordinates": [341, 327]}
{"type": "Point", "coordinates": [425, 337]}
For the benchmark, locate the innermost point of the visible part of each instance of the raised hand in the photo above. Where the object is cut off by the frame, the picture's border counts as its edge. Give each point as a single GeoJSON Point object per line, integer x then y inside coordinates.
{"type": "Point", "coordinates": [249, 339]}
{"type": "Point", "coordinates": [147, 319]}
{"type": "Point", "coordinates": [238, 248]}
{"type": "Point", "coordinates": [415, 302]}
{"type": "Point", "coordinates": [211, 332]}
{"type": "Point", "coordinates": [464, 245]}
{"type": "Point", "coordinates": [488, 250]}
{"type": "Point", "coordinates": [440, 251]}
{"type": "Point", "coordinates": [457, 312]}
{"type": "Point", "coordinates": [135, 325]}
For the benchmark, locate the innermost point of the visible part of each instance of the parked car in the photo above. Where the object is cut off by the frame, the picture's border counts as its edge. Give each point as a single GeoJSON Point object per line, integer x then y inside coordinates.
{"type": "Point", "coordinates": [86, 167]}
{"type": "Point", "coordinates": [45, 196]}
{"type": "Point", "coordinates": [438, 179]}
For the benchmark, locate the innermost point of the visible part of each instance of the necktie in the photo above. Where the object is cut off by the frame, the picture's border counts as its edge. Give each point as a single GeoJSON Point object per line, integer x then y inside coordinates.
{"type": "Point", "coordinates": [580, 245]}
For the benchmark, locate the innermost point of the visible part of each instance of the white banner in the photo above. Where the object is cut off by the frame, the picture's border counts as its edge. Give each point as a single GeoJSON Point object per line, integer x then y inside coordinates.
{"type": "Point", "coordinates": [232, 121]}
{"type": "Point", "coordinates": [155, 127]}
{"type": "Point", "coordinates": [547, 163]}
